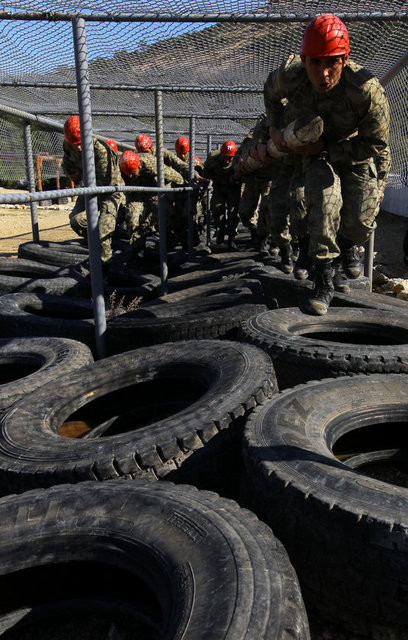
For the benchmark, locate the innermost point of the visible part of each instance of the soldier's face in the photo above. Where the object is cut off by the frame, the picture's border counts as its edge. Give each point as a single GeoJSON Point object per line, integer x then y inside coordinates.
{"type": "Point", "coordinates": [183, 156]}
{"type": "Point", "coordinates": [324, 73]}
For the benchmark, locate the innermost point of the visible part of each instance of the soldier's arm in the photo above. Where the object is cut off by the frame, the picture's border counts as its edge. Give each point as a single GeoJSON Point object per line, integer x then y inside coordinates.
{"type": "Point", "coordinates": [173, 176]}
{"type": "Point", "coordinates": [372, 137]}
{"type": "Point", "coordinates": [71, 164]}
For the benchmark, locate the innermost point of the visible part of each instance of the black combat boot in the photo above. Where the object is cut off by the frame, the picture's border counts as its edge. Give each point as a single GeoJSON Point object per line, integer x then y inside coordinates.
{"type": "Point", "coordinates": [339, 277]}
{"type": "Point", "coordinates": [286, 254]}
{"type": "Point", "coordinates": [232, 244]}
{"type": "Point", "coordinates": [264, 245]}
{"type": "Point", "coordinates": [350, 257]}
{"type": "Point", "coordinates": [303, 263]}
{"type": "Point", "coordinates": [322, 294]}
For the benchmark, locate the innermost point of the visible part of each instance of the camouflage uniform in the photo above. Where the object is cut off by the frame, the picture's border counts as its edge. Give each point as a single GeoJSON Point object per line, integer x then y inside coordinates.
{"type": "Point", "coordinates": [253, 210]}
{"type": "Point", "coordinates": [141, 211]}
{"type": "Point", "coordinates": [342, 183]}
{"type": "Point", "coordinates": [225, 195]}
{"type": "Point", "coordinates": [107, 173]}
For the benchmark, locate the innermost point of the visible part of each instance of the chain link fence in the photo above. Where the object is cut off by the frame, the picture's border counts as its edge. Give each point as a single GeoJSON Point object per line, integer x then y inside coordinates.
{"type": "Point", "coordinates": [211, 65]}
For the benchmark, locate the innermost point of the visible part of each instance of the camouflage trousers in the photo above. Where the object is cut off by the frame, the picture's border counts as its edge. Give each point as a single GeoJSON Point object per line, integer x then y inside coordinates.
{"type": "Point", "coordinates": [224, 208]}
{"type": "Point", "coordinates": [140, 217]}
{"type": "Point", "coordinates": [340, 200]}
{"type": "Point", "coordinates": [180, 208]}
{"type": "Point", "coordinates": [249, 202]}
{"type": "Point", "coordinates": [108, 206]}
{"type": "Point", "coordinates": [285, 206]}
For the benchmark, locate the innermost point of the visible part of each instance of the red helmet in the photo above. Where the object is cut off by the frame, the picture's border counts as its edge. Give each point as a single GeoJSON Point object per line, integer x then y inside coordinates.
{"type": "Point", "coordinates": [143, 142]}
{"type": "Point", "coordinates": [72, 132]}
{"type": "Point", "coordinates": [182, 145]}
{"type": "Point", "coordinates": [326, 35]}
{"type": "Point", "coordinates": [229, 148]}
{"type": "Point", "coordinates": [198, 161]}
{"type": "Point", "coordinates": [129, 163]}
{"type": "Point", "coordinates": [112, 144]}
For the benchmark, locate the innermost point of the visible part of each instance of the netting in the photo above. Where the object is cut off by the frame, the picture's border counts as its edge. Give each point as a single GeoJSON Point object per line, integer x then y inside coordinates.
{"type": "Point", "coordinates": [210, 60]}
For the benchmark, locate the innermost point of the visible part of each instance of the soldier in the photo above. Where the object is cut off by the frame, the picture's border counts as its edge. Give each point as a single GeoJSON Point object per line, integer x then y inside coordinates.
{"type": "Point", "coordinates": [141, 211]}
{"type": "Point", "coordinates": [178, 208]}
{"type": "Point", "coordinates": [226, 193]}
{"type": "Point", "coordinates": [345, 171]}
{"type": "Point", "coordinates": [257, 178]}
{"type": "Point", "coordinates": [107, 174]}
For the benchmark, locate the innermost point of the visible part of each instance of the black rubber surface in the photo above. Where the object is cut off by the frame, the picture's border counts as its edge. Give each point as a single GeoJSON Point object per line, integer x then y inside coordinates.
{"type": "Point", "coordinates": [28, 363]}
{"type": "Point", "coordinates": [212, 310]}
{"type": "Point", "coordinates": [345, 532]}
{"type": "Point", "coordinates": [204, 566]}
{"type": "Point", "coordinates": [173, 410]}
{"type": "Point", "coordinates": [32, 314]}
{"type": "Point", "coordinates": [344, 341]}
{"type": "Point", "coordinates": [19, 274]}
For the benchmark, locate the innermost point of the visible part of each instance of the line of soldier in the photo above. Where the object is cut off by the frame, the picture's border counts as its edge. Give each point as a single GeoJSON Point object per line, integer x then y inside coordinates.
{"type": "Point", "coordinates": [312, 170]}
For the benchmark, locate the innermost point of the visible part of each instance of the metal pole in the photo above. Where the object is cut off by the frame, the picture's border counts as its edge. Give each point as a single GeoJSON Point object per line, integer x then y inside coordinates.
{"type": "Point", "coordinates": [369, 259]}
{"type": "Point", "coordinates": [31, 178]}
{"type": "Point", "coordinates": [191, 197]}
{"type": "Point", "coordinates": [88, 162]}
{"type": "Point", "coordinates": [208, 212]}
{"type": "Point", "coordinates": [158, 108]}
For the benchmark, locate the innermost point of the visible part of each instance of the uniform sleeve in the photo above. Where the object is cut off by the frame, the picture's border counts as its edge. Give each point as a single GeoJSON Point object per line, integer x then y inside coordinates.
{"type": "Point", "coordinates": [372, 136]}
{"type": "Point", "coordinates": [274, 93]}
{"type": "Point", "coordinates": [70, 164]}
{"type": "Point", "coordinates": [173, 176]}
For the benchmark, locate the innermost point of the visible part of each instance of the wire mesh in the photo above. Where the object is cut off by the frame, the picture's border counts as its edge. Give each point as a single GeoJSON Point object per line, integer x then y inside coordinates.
{"type": "Point", "coordinates": [211, 59]}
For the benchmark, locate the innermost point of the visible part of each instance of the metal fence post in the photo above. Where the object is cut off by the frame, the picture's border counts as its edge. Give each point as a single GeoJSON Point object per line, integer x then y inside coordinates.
{"type": "Point", "coordinates": [369, 259]}
{"type": "Point", "coordinates": [158, 108]}
{"type": "Point", "coordinates": [88, 162]}
{"type": "Point", "coordinates": [208, 212]}
{"type": "Point", "coordinates": [31, 178]}
{"type": "Point", "coordinates": [191, 195]}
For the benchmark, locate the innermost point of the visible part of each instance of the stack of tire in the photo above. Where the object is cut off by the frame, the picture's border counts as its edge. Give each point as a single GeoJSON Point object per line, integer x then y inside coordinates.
{"type": "Point", "coordinates": [122, 478]}
{"type": "Point", "coordinates": [84, 444]}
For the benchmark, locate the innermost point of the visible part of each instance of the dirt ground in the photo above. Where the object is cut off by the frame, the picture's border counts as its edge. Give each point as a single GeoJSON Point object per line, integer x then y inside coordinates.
{"type": "Point", "coordinates": [53, 222]}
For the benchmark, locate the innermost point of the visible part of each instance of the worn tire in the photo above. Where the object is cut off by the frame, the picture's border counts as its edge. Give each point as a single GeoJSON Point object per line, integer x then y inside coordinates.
{"type": "Point", "coordinates": [28, 363]}
{"type": "Point", "coordinates": [32, 314]}
{"type": "Point", "coordinates": [344, 341]}
{"type": "Point", "coordinates": [57, 253]}
{"type": "Point", "coordinates": [171, 410]}
{"type": "Point", "coordinates": [212, 310]}
{"type": "Point", "coordinates": [346, 533]}
{"type": "Point", "coordinates": [212, 273]}
{"type": "Point", "coordinates": [21, 275]}
{"type": "Point", "coordinates": [204, 566]}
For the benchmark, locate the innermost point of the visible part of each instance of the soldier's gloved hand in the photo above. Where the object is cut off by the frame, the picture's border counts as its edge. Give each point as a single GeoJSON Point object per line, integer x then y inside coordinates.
{"type": "Point", "coordinates": [278, 140]}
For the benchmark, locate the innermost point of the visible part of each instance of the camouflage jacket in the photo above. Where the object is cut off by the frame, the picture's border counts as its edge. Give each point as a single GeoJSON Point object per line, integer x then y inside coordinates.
{"type": "Point", "coordinates": [215, 170]}
{"type": "Point", "coordinates": [147, 177]}
{"type": "Point", "coordinates": [258, 133]}
{"type": "Point", "coordinates": [172, 160]}
{"type": "Point", "coordinates": [107, 168]}
{"type": "Point", "coordinates": [355, 112]}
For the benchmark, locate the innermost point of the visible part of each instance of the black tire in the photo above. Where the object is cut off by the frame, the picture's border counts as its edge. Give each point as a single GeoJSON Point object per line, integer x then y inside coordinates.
{"type": "Point", "coordinates": [205, 567]}
{"type": "Point", "coordinates": [345, 532]}
{"type": "Point", "coordinates": [232, 288]}
{"type": "Point", "coordinates": [32, 314]}
{"type": "Point", "coordinates": [184, 315]}
{"type": "Point", "coordinates": [18, 275]}
{"type": "Point", "coordinates": [342, 342]}
{"type": "Point", "coordinates": [173, 410]}
{"type": "Point", "coordinates": [57, 253]}
{"type": "Point", "coordinates": [211, 274]}
{"type": "Point", "coordinates": [28, 363]}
